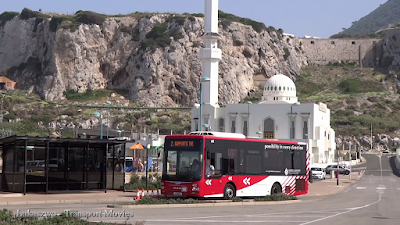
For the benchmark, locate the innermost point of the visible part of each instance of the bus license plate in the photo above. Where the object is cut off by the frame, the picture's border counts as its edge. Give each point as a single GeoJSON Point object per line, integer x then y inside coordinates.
{"type": "Point", "coordinates": [184, 189]}
{"type": "Point", "coordinates": [177, 193]}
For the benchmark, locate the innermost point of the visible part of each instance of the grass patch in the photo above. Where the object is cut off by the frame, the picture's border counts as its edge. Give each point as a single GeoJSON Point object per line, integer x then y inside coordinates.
{"type": "Point", "coordinates": [279, 197]}
{"type": "Point", "coordinates": [73, 95]}
{"type": "Point", "coordinates": [237, 199]}
{"type": "Point", "coordinates": [154, 201]}
{"type": "Point", "coordinates": [8, 217]}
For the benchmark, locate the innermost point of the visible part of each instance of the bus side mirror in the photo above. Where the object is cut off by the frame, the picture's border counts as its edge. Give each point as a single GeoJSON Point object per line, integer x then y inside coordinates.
{"type": "Point", "coordinates": [208, 155]}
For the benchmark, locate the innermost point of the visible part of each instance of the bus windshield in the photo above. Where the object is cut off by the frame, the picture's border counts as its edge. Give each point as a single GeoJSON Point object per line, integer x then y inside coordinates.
{"type": "Point", "coordinates": [184, 160]}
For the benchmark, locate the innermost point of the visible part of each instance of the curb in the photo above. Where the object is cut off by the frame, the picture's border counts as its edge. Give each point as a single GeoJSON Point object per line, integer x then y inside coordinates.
{"type": "Point", "coordinates": [204, 204]}
{"type": "Point", "coordinates": [61, 201]}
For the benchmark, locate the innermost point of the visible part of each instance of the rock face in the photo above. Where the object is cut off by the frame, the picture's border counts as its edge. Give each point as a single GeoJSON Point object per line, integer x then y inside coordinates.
{"type": "Point", "coordinates": [381, 141]}
{"type": "Point", "coordinates": [113, 55]}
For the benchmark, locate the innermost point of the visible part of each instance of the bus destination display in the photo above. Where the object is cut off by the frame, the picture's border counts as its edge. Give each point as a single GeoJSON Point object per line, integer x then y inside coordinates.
{"type": "Point", "coordinates": [182, 143]}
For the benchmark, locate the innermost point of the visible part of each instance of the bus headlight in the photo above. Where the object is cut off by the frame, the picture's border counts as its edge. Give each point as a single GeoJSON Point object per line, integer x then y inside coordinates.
{"type": "Point", "coordinates": [195, 188]}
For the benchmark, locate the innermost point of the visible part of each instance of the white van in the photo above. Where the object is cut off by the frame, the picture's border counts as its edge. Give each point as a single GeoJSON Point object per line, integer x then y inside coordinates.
{"type": "Point", "coordinates": [318, 172]}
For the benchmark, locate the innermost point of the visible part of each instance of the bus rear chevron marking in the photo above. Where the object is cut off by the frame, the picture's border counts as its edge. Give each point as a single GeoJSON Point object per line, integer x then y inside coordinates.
{"type": "Point", "coordinates": [246, 181]}
{"type": "Point", "coordinates": [208, 182]}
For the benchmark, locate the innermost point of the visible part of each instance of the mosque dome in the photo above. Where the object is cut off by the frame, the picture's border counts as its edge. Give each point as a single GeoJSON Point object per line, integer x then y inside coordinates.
{"type": "Point", "coordinates": [279, 88]}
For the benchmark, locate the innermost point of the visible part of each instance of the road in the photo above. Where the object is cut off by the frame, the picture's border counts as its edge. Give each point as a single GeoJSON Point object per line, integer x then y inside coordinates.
{"type": "Point", "coordinates": [374, 199]}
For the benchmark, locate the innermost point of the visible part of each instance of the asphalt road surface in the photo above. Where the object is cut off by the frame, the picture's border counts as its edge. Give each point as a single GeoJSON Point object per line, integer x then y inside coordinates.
{"type": "Point", "coordinates": [374, 199]}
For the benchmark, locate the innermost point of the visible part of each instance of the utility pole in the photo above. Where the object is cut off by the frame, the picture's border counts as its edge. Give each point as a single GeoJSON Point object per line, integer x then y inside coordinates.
{"type": "Point", "coordinates": [371, 136]}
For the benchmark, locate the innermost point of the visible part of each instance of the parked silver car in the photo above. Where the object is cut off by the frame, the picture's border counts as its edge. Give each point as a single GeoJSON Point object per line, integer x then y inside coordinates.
{"type": "Point", "coordinates": [342, 169]}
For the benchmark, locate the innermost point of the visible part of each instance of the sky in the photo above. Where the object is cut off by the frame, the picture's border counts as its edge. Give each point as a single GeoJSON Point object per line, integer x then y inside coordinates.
{"type": "Point", "coordinates": [318, 18]}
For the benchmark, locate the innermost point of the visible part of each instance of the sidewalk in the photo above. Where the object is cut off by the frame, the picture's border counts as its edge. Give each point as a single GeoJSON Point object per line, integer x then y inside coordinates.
{"type": "Point", "coordinates": [317, 188]}
{"type": "Point", "coordinates": [68, 197]}
{"type": "Point", "coordinates": [329, 186]}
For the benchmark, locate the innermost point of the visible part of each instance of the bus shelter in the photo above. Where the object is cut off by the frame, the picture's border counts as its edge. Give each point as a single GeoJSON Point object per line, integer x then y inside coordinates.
{"type": "Point", "coordinates": [46, 164]}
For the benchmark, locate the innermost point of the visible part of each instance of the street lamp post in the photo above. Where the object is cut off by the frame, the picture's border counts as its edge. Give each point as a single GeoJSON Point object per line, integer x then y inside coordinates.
{"type": "Point", "coordinates": [259, 134]}
{"type": "Point", "coordinates": [119, 134]}
{"type": "Point", "coordinates": [108, 115]}
{"type": "Point", "coordinates": [248, 117]}
{"type": "Point", "coordinates": [97, 114]}
{"type": "Point", "coordinates": [204, 79]}
{"type": "Point", "coordinates": [291, 119]}
{"type": "Point", "coordinates": [206, 126]}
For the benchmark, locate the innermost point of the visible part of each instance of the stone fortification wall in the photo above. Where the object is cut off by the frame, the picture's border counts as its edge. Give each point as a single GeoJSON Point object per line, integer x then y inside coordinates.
{"type": "Point", "coordinates": [363, 52]}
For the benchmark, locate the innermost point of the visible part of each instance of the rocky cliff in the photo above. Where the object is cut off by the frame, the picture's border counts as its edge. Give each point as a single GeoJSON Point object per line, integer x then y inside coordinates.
{"type": "Point", "coordinates": [154, 56]}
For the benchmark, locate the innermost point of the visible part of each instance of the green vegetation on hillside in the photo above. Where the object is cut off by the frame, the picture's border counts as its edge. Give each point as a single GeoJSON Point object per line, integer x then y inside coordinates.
{"type": "Point", "coordinates": [383, 16]}
{"type": "Point", "coordinates": [34, 115]}
{"type": "Point", "coordinates": [226, 18]}
{"type": "Point", "coordinates": [100, 94]}
{"type": "Point", "coordinates": [7, 16]}
{"type": "Point", "coordinates": [160, 37]}
{"type": "Point", "coordinates": [356, 97]}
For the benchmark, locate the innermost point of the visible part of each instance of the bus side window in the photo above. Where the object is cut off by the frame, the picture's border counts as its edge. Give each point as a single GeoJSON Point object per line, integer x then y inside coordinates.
{"type": "Point", "coordinates": [216, 161]}
{"type": "Point", "coordinates": [241, 162]}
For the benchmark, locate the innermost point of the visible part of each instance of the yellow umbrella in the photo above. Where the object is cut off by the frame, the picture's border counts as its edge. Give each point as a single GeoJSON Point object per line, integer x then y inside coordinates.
{"type": "Point", "coordinates": [137, 146]}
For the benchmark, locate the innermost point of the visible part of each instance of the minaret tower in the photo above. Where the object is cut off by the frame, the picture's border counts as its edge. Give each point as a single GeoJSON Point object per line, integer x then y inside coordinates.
{"type": "Point", "coordinates": [210, 55]}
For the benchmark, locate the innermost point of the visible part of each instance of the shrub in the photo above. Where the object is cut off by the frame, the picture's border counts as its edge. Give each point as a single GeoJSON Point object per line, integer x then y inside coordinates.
{"type": "Point", "coordinates": [287, 53]}
{"type": "Point", "coordinates": [9, 116]}
{"type": "Point", "coordinates": [137, 182]}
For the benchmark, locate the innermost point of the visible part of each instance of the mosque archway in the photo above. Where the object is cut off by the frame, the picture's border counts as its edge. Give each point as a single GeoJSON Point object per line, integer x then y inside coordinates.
{"type": "Point", "coordinates": [269, 131]}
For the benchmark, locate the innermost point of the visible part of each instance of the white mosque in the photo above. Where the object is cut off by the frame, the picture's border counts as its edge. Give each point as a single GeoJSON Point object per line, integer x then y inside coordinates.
{"type": "Point", "coordinates": [274, 117]}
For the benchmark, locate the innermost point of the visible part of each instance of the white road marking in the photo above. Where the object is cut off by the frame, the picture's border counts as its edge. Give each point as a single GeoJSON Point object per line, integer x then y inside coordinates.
{"type": "Point", "coordinates": [229, 221]}
{"type": "Point", "coordinates": [381, 188]}
{"type": "Point", "coordinates": [337, 214]}
{"type": "Point", "coordinates": [361, 188]}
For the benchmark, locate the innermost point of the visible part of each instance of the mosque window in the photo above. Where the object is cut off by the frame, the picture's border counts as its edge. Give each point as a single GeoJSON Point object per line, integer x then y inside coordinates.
{"type": "Point", "coordinates": [283, 88]}
{"type": "Point", "coordinates": [279, 87]}
{"type": "Point", "coordinates": [275, 88]}
{"type": "Point", "coordinates": [353, 42]}
{"type": "Point", "coordinates": [312, 42]}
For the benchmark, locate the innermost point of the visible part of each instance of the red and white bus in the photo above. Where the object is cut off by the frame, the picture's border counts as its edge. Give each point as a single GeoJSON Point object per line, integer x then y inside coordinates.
{"type": "Point", "coordinates": [212, 165]}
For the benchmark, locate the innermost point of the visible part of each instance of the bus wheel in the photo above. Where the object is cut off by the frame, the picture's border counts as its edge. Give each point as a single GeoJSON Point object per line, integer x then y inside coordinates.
{"type": "Point", "coordinates": [276, 189]}
{"type": "Point", "coordinates": [229, 191]}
